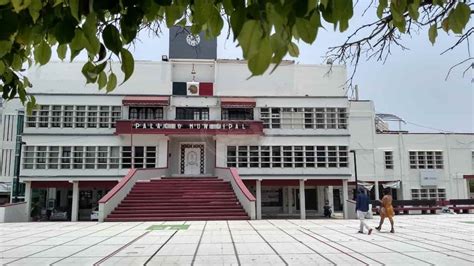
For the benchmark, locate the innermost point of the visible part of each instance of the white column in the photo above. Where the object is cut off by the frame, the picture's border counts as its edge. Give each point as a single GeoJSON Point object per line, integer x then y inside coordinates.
{"type": "Point", "coordinates": [320, 193]}
{"type": "Point", "coordinates": [285, 200]}
{"type": "Point", "coordinates": [377, 195]}
{"type": "Point", "coordinates": [259, 199]}
{"type": "Point", "coordinates": [345, 197]}
{"type": "Point", "coordinates": [302, 200]}
{"type": "Point", "coordinates": [28, 198]}
{"type": "Point", "coordinates": [290, 200]}
{"type": "Point", "coordinates": [75, 201]}
{"type": "Point", "coordinates": [330, 195]}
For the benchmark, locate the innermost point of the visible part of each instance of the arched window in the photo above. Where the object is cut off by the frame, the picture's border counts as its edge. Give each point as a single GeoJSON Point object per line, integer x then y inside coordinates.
{"type": "Point", "coordinates": [150, 113]}
{"type": "Point", "coordinates": [142, 113]}
{"type": "Point", "coordinates": [133, 113]}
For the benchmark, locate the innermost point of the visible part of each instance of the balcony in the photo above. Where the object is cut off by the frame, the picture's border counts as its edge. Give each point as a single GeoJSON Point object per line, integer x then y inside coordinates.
{"type": "Point", "coordinates": [189, 127]}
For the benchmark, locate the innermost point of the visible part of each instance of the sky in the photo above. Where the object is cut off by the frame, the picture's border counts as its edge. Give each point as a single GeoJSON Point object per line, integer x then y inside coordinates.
{"type": "Point", "coordinates": [411, 84]}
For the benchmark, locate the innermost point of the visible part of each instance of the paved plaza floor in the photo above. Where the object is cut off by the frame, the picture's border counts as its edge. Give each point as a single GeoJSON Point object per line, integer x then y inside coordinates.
{"type": "Point", "coordinates": [419, 240]}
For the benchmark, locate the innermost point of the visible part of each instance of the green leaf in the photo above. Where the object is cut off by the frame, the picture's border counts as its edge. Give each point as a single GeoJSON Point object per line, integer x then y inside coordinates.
{"type": "Point", "coordinates": [17, 62]}
{"type": "Point", "coordinates": [89, 72]}
{"type": "Point", "coordinates": [381, 7]}
{"type": "Point", "coordinates": [4, 2]}
{"type": "Point", "coordinates": [111, 37]}
{"type": "Point", "coordinates": [237, 20]}
{"type": "Point", "coordinates": [249, 38]}
{"type": "Point", "coordinates": [34, 9]}
{"type": "Point", "coordinates": [128, 64]}
{"type": "Point", "coordinates": [5, 47]}
{"type": "Point", "coordinates": [61, 50]}
{"type": "Point", "coordinates": [74, 5]}
{"type": "Point", "coordinates": [445, 24]}
{"type": "Point", "coordinates": [102, 80]}
{"type": "Point", "coordinates": [172, 14]}
{"type": "Point", "coordinates": [19, 5]}
{"type": "Point", "coordinates": [261, 60]}
{"type": "Point", "coordinates": [433, 33]}
{"type": "Point", "coordinates": [42, 53]}
{"type": "Point", "coordinates": [293, 49]}
{"type": "Point", "coordinates": [64, 31]}
{"type": "Point", "coordinates": [459, 17]}
{"type": "Point", "coordinates": [112, 83]}
{"type": "Point", "coordinates": [413, 9]}
{"type": "Point", "coordinates": [306, 31]}
{"type": "Point", "coordinates": [215, 23]}
{"type": "Point", "coordinates": [2, 67]}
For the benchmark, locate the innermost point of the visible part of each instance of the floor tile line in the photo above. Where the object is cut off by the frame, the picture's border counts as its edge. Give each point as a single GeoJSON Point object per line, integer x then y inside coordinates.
{"type": "Point", "coordinates": [434, 233]}
{"type": "Point", "coordinates": [79, 251]}
{"type": "Point", "coordinates": [68, 232]}
{"type": "Point", "coordinates": [429, 249]}
{"type": "Point", "coordinates": [343, 252]}
{"type": "Point", "coordinates": [120, 249]}
{"type": "Point", "coordinates": [57, 245]}
{"type": "Point", "coordinates": [35, 233]}
{"type": "Point", "coordinates": [315, 251]}
{"type": "Point", "coordinates": [365, 240]}
{"type": "Point", "coordinates": [268, 243]}
{"type": "Point", "coordinates": [158, 250]}
{"type": "Point", "coordinates": [233, 244]}
{"type": "Point", "coordinates": [199, 243]}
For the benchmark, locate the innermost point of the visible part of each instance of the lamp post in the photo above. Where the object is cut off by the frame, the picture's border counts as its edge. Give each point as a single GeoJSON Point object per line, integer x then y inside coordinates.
{"type": "Point", "coordinates": [355, 171]}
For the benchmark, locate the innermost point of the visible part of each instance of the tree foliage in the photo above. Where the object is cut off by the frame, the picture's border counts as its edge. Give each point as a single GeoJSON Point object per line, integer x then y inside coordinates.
{"type": "Point", "coordinates": [266, 30]}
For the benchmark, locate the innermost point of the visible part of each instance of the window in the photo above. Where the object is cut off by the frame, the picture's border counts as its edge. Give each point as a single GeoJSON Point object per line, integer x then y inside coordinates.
{"type": "Point", "coordinates": [426, 159]}
{"type": "Point", "coordinates": [287, 156]}
{"type": "Point", "coordinates": [192, 113]}
{"type": "Point", "coordinates": [146, 113]}
{"type": "Point", "coordinates": [80, 116]}
{"type": "Point", "coordinates": [388, 155]}
{"type": "Point", "coordinates": [56, 116]}
{"type": "Point", "coordinates": [43, 116]}
{"type": "Point", "coordinates": [70, 116]}
{"type": "Point", "coordinates": [89, 157]}
{"type": "Point", "coordinates": [78, 157]}
{"type": "Point", "coordinates": [53, 159]}
{"type": "Point", "coordinates": [428, 193]}
{"type": "Point", "coordinates": [308, 118]}
{"type": "Point", "coordinates": [66, 158]}
{"type": "Point", "coordinates": [28, 157]}
{"type": "Point", "coordinates": [237, 114]}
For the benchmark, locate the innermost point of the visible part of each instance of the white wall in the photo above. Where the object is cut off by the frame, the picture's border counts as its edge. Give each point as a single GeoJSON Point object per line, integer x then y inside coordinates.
{"type": "Point", "coordinates": [230, 77]}
{"type": "Point", "coordinates": [370, 147]}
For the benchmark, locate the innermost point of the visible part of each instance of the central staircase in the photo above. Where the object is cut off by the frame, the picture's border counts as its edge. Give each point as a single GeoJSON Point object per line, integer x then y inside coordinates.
{"type": "Point", "coordinates": [179, 199]}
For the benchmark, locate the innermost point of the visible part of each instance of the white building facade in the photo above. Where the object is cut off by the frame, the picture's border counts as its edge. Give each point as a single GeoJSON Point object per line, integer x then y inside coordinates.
{"type": "Point", "coordinates": [287, 132]}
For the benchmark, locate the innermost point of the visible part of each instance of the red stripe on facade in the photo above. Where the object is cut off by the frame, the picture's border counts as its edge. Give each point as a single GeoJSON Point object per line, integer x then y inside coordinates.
{"type": "Point", "coordinates": [146, 100]}
{"type": "Point", "coordinates": [206, 89]}
{"type": "Point", "coordinates": [238, 102]}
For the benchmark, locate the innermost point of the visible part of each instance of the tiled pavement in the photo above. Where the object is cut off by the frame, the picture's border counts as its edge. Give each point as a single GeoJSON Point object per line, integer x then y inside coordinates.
{"type": "Point", "coordinates": [419, 240]}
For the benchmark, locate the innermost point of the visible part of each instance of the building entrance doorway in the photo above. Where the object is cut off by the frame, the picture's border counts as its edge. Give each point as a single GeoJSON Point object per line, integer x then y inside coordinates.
{"type": "Point", "coordinates": [310, 199]}
{"type": "Point", "coordinates": [192, 161]}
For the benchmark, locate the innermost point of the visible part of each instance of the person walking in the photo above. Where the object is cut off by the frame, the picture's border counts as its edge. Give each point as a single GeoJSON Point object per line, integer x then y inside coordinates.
{"type": "Point", "coordinates": [387, 210]}
{"type": "Point", "coordinates": [362, 207]}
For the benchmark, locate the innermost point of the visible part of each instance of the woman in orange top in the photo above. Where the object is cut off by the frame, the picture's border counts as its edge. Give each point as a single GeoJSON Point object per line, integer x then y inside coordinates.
{"type": "Point", "coordinates": [387, 210]}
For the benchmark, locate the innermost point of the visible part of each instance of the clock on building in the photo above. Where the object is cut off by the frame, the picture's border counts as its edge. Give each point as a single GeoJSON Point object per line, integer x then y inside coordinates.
{"type": "Point", "coordinates": [186, 45]}
{"type": "Point", "coordinates": [193, 40]}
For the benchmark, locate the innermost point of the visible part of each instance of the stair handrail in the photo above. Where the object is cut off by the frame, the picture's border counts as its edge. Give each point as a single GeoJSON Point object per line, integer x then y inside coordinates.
{"type": "Point", "coordinates": [241, 191]}
{"type": "Point", "coordinates": [113, 198]}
